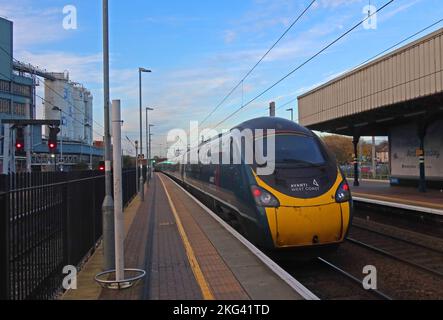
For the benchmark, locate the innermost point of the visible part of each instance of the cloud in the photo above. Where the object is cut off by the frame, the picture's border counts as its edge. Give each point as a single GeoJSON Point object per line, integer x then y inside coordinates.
{"type": "Point", "coordinates": [334, 3]}
{"type": "Point", "coordinates": [32, 25]}
{"type": "Point", "coordinates": [185, 92]}
{"type": "Point", "coordinates": [81, 68]}
{"type": "Point", "coordinates": [169, 20]}
{"type": "Point", "coordinates": [400, 9]}
{"type": "Point", "coordinates": [229, 36]}
{"type": "Point", "coordinates": [87, 70]}
{"type": "Point", "coordinates": [188, 93]}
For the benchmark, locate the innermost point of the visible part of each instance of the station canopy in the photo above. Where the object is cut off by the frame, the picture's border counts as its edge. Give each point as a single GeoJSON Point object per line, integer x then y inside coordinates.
{"type": "Point", "coordinates": [400, 87]}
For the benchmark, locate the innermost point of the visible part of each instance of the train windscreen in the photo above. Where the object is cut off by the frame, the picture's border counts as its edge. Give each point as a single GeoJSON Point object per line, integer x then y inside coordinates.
{"type": "Point", "coordinates": [294, 150]}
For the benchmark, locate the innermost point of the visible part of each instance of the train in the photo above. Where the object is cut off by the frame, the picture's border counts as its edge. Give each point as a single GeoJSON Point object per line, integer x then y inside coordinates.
{"type": "Point", "coordinates": [305, 202]}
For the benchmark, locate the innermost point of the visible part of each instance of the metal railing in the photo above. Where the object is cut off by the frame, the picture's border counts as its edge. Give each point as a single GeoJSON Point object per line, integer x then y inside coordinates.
{"type": "Point", "coordinates": [381, 173]}
{"type": "Point", "coordinates": [48, 221]}
{"type": "Point", "coordinates": [368, 176]}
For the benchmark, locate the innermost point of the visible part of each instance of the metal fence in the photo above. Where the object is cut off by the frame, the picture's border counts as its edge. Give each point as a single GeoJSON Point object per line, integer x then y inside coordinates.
{"type": "Point", "coordinates": [368, 175]}
{"type": "Point", "coordinates": [382, 171]}
{"type": "Point", "coordinates": [47, 221]}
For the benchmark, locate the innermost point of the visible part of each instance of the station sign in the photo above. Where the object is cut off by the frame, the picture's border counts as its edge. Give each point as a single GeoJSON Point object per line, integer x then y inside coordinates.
{"type": "Point", "coordinates": [405, 151]}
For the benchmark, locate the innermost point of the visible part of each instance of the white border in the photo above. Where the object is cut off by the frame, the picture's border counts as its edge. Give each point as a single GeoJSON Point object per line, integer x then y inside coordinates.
{"type": "Point", "coordinates": [285, 276]}
{"type": "Point", "coordinates": [400, 205]}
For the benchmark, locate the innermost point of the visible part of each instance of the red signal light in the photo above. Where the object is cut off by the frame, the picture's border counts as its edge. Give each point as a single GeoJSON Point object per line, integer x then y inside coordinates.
{"type": "Point", "coordinates": [52, 140]}
{"type": "Point", "coordinates": [19, 139]}
{"type": "Point", "coordinates": [101, 166]}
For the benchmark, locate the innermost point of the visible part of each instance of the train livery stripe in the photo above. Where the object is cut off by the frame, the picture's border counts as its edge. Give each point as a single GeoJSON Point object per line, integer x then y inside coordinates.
{"type": "Point", "coordinates": [199, 276]}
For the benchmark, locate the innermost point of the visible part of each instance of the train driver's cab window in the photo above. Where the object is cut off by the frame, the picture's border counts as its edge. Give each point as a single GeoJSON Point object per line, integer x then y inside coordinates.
{"type": "Point", "coordinates": [293, 150]}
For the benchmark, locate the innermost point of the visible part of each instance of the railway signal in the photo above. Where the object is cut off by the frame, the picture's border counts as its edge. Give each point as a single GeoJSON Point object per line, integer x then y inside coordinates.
{"type": "Point", "coordinates": [19, 139]}
{"type": "Point", "coordinates": [52, 141]}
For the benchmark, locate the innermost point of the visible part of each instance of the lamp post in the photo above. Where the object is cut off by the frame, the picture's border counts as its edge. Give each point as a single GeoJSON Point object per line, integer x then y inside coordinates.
{"type": "Point", "coordinates": [61, 136]}
{"type": "Point", "coordinates": [87, 125]}
{"type": "Point", "coordinates": [136, 167]}
{"type": "Point", "coordinates": [108, 201]}
{"type": "Point", "coordinates": [148, 147]}
{"type": "Point", "coordinates": [149, 152]}
{"type": "Point", "coordinates": [292, 113]}
{"type": "Point", "coordinates": [140, 70]}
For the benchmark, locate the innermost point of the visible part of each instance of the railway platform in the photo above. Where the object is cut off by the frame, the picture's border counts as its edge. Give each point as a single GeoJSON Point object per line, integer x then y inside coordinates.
{"type": "Point", "coordinates": [382, 193]}
{"type": "Point", "coordinates": [189, 254]}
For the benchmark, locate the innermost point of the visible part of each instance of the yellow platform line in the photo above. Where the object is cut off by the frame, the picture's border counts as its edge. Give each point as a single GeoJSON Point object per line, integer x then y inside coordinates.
{"type": "Point", "coordinates": [198, 274]}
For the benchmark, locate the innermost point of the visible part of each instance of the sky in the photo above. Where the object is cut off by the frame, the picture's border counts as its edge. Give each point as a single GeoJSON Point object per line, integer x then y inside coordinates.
{"type": "Point", "coordinates": [198, 50]}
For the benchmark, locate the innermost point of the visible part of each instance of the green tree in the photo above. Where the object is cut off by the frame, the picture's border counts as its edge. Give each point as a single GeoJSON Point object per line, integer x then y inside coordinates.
{"type": "Point", "coordinates": [340, 146]}
{"type": "Point", "coordinates": [128, 162]}
{"type": "Point", "coordinates": [343, 149]}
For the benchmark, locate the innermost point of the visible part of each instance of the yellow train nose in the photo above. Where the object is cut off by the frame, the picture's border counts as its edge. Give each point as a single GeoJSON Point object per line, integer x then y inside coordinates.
{"type": "Point", "coordinates": [305, 222]}
{"type": "Point", "coordinates": [303, 226]}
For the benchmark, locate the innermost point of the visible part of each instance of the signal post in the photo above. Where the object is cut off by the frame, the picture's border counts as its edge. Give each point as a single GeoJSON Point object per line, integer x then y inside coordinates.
{"type": "Point", "coordinates": [21, 143]}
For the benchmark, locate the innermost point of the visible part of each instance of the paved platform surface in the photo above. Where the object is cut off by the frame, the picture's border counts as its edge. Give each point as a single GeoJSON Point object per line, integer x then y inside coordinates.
{"type": "Point", "coordinates": [188, 255]}
{"type": "Point", "coordinates": [398, 194]}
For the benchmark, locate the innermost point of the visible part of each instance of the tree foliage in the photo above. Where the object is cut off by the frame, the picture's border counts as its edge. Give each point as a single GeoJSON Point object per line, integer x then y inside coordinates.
{"type": "Point", "coordinates": [128, 162]}
{"type": "Point", "coordinates": [343, 148]}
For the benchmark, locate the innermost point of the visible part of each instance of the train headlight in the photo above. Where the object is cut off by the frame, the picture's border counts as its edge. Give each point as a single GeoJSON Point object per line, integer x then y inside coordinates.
{"type": "Point", "coordinates": [343, 193]}
{"type": "Point", "coordinates": [264, 198]}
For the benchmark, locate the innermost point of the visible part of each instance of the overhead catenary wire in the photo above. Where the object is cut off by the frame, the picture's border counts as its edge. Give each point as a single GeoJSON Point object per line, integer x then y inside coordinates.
{"type": "Point", "coordinates": [378, 55]}
{"type": "Point", "coordinates": [286, 104]}
{"type": "Point", "coordinates": [241, 82]}
{"type": "Point", "coordinates": [130, 141]}
{"type": "Point", "coordinates": [400, 42]}
{"type": "Point", "coordinates": [302, 64]}
{"type": "Point", "coordinates": [76, 120]}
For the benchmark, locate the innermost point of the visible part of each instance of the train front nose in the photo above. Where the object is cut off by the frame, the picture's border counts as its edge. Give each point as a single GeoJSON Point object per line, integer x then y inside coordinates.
{"type": "Point", "coordinates": [310, 225]}
{"type": "Point", "coordinates": [310, 212]}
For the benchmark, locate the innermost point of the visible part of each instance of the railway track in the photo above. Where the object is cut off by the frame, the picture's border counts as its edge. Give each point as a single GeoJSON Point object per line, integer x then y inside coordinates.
{"type": "Point", "coordinates": [415, 243]}
{"type": "Point", "coordinates": [375, 292]}
{"type": "Point", "coordinates": [417, 268]}
{"type": "Point", "coordinates": [414, 254]}
{"type": "Point", "coordinates": [330, 282]}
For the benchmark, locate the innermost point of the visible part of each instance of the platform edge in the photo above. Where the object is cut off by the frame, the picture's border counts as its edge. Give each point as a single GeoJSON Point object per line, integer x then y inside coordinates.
{"type": "Point", "coordinates": [280, 272]}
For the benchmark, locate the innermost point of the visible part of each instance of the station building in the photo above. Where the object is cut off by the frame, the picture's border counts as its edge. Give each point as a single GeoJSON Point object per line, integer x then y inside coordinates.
{"type": "Point", "coordinates": [17, 89]}
{"type": "Point", "coordinates": [399, 95]}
